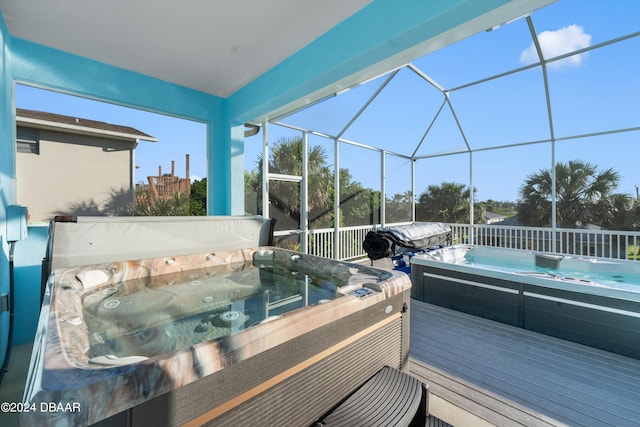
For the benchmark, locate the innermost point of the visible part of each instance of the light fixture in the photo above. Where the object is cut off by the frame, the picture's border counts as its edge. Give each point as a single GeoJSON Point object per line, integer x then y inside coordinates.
{"type": "Point", "coordinates": [495, 27]}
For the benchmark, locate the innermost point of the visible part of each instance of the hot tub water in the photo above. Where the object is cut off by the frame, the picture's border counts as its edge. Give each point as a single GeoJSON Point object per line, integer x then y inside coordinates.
{"type": "Point", "coordinates": [586, 270]}
{"type": "Point", "coordinates": [144, 317]}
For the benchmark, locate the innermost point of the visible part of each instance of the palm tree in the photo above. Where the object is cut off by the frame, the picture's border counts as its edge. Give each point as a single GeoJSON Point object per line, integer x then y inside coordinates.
{"type": "Point", "coordinates": [398, 207]}
{"type": "Point", "coordinates": [358, 205]}
{"type": "Point", "coordinates": [286, 159]}
{"type": "Point", "coordinates": [583, 195]}
{"type": "Point", "coordinates": [447, 202]}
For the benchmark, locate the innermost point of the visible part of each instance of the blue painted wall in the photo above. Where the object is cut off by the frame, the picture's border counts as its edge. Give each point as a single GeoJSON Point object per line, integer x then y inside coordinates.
{"type": "Point", "coordinates": [28, 272]}
{"type": "Point", "coordinates": [7, 184]}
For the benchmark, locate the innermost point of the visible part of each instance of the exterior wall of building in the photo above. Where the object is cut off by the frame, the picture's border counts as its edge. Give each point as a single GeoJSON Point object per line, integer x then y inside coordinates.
{"type": "Point", "coordinates": [74, 175]}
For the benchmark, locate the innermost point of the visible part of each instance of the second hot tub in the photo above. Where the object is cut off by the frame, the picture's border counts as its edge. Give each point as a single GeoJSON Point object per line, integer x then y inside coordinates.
{"type": "Point", "coordinates": [589, 300]}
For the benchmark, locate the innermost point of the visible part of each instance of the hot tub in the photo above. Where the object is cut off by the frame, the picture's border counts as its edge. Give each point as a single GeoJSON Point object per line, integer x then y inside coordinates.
{"type": "Point", "coordinates": [231, 337]}
{"type": "Point", "coordinates": [589, 300]}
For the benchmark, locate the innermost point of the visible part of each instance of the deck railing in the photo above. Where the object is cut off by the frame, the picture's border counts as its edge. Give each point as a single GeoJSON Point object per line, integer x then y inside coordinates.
{"type": "Point", "coordinates": [162, 187]}
{"type": "Point", "coordinates": [321, 242]}
{"type": "Point", "coordinates": [601, 243]}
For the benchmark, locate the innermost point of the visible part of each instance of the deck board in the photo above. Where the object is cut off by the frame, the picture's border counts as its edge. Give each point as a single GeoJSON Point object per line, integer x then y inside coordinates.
{"type": "Point", "coordinates": [479, 402]}
{"type": "Point", "coordinates": [509, 376]}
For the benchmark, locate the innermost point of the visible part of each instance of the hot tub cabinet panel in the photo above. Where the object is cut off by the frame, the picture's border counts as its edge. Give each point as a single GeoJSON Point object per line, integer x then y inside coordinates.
{"type": "Point", "coordinates": [292, 384]}
{"type": "Point", "coordinates": [596, 316]}
{"type": "Point", "coordinates": [501, 300]}
{"type": "Point", "coordinates": [607, 323]}
{"type": "Point", "coordinates": [283, 367]}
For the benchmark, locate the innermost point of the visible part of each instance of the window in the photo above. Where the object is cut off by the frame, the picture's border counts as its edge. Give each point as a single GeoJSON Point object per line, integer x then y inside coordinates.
{"type": "Point", "coordinates": [28, 140]}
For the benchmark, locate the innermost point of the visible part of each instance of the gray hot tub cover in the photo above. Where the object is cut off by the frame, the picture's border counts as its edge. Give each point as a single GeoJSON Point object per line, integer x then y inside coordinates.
{"type": "Point", "coordinates": [420, 235]}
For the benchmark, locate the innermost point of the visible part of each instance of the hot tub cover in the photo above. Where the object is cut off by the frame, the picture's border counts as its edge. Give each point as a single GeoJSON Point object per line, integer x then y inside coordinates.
{"type": "Point", "coordinates": [420, 235]}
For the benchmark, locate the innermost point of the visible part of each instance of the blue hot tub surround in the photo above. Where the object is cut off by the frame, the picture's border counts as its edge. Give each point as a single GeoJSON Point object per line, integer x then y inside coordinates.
{"type": "Point", "coordinates": [589, 300]}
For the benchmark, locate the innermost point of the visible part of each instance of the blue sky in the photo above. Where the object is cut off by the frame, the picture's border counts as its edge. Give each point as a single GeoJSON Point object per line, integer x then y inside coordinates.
{"type": "Point", "coordinates": [595, 92]}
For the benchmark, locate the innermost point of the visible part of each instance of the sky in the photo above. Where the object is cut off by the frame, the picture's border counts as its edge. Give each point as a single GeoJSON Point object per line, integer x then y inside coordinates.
{"type": "Point", "coordinates": [594, 92]}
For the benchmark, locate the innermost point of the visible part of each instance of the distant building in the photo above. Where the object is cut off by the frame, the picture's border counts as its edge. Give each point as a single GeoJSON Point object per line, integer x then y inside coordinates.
{"type": "Point", "coordinates": [492, 218]}
{"type": "Point", "coordinates": [512, 221]}
{"type": "Point", "coordinates": [73, 166]}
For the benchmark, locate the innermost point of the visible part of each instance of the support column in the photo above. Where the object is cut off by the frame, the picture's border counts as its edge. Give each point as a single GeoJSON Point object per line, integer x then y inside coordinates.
{"type": "Point", "coordinates": [265, 170]}
{"type": "Point", "coordinates": [225, 169]}
{"type": "Point", "coordinates": [471, 199]}
{"type": "Point", "coordinates": [304, 195]}
{"type": "Point", "coordinates": [336, 199]}
{"type": "Point", "coordinates": [413, 190]}
{"type": "Point", "coordinates": [383, 188]}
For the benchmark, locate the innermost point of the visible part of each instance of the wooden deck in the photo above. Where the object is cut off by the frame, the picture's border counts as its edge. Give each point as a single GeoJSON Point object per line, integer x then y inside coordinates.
{"type": "Point", "coordinates": [482, 372]}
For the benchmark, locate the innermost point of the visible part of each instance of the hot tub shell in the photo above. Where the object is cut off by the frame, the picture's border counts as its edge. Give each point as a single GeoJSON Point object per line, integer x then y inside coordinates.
{"type": "Point", "coordinates": [308, 358]}
{"type": "Point", "coordinates": [286, 371]}
{"type": "Point", "coordinates": [574, 310]}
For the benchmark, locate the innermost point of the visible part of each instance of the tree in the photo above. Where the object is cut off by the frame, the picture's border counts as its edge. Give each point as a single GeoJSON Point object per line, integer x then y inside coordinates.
{"type": "Point", "coordinates": [178, 205]}
{"type": "Point", "coordinates": [398, 207]}
{"type": "Point", "coordinates": [583, 195]}
{"type": "Point", "coordinates": [448, 202]}
{"type": "Point", "coordinates": [252, 192]}
{"type": "Point", "coordinates": [198, 198]}
{"type": "Point", "coordinates": [286, 159]}
{"type": "Point", "coordinates": [358, 205]}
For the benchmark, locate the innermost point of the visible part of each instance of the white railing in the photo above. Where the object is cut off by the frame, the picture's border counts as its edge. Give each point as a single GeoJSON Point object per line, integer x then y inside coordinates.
{"type": "Point", "coordinates": [321, 241]}
{"type": "Point", "coordinates": [601, 243]}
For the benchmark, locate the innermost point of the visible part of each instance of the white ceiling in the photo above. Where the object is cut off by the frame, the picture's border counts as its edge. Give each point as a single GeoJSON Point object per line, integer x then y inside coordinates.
{"type": "Point", "coordinates": [214, 46]}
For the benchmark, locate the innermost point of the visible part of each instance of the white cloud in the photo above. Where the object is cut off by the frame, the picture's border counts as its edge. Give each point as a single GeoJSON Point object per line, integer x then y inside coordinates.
{"type": "Point", "coordinates": [558, 42]}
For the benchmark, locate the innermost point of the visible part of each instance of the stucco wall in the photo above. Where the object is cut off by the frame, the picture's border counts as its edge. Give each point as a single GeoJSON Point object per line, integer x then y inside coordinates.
{"type": "Point", "coordinates": [74, 175]}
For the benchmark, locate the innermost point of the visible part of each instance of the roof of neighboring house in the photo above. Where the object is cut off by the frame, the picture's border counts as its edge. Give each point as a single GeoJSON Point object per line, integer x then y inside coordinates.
{"type": "Point", "coordinates": [511, 221]}
{"type": "Point", "coordinates": [493, 215]}
{"type": "Point", "coordinates": [44, 120]}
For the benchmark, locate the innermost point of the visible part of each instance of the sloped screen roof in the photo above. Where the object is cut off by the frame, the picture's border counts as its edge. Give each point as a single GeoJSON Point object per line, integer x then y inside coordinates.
{"type": "Point", "coordinates": [566, 75]}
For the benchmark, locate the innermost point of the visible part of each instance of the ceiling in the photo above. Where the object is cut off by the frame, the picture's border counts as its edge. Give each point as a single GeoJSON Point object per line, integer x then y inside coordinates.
{"type": "Point", "coordinates": [224, 44]}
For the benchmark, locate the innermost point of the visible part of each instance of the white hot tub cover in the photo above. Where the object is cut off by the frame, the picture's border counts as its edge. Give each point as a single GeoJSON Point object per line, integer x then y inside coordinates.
{"type": "Point", "coordinates": [89, 240]}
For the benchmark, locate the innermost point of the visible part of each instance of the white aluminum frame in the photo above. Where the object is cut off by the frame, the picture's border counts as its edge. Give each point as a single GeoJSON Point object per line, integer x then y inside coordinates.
{"type": "Point", "coordinates": [413, 157]}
